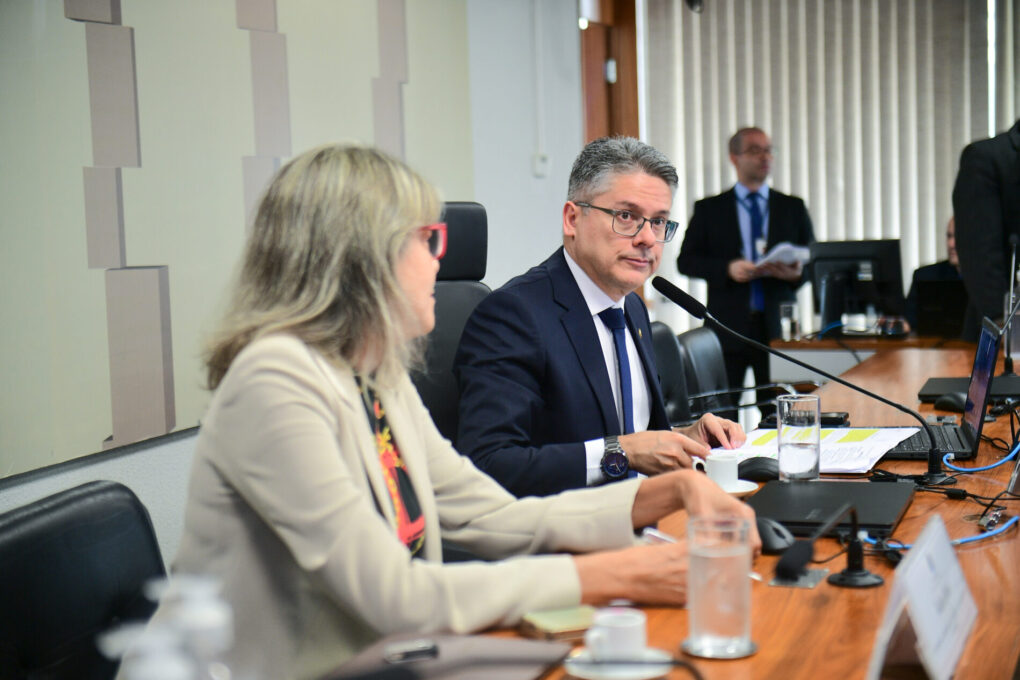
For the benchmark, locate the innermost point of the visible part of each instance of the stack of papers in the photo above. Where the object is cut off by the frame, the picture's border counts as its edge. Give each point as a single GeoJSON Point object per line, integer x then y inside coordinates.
{"type": "Point", "coordinates": [786, 253]}
{"type": "Point", "coordinates": [845, 450]}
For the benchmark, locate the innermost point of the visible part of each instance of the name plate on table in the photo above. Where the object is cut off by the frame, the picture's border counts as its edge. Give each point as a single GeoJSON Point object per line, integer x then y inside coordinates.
{"type": "Point", "coordinates": [930, 612]}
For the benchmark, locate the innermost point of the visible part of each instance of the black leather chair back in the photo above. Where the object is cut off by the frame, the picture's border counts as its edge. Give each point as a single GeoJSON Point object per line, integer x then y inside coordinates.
{"type": "Point", "coordinates": [670, 361]}
{"type": "Point", "coordinates": [705, 369]}
{"type": "Point", "coordinates": [458, 291]}
{"type": "Point", "coordinates": [72, 565]}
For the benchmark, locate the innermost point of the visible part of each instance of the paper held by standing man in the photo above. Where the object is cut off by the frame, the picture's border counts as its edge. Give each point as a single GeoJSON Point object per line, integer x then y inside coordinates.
{"type": "Point", "coordinates": [786, 253]}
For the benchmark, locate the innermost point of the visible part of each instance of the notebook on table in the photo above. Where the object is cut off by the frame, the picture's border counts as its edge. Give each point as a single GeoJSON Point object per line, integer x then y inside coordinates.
{"type": "Point", "coordinates": [961, 440]}
{"type": "Point", "coordinates": [802, 507]}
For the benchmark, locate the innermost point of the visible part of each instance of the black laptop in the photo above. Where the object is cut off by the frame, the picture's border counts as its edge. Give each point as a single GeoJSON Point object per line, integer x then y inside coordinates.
{"type": "Point", "coordinates": [802, 507]}
{"type": "Point", "coordinates": [961, 440]}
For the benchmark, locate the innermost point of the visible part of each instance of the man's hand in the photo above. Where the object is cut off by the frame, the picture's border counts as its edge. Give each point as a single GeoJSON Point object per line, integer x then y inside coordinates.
{"type": "Point", "coordinates": [741, 271]}
{"type": "Point", "coordinates": [778, 270]}
{"type": "Point", "coordinates": [656, 451]}
{"type": "Point", "coordinates": [715, 431]}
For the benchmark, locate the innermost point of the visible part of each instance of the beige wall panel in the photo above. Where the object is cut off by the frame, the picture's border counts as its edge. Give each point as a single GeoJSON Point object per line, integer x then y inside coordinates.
{"type": "Point", "coordinates": [104, 217]}
{"type": "Point", "coordinates": [102, 11]}
{"type": "Point", "coordinates": [257, 171]}
{"type": "Point", "coordinates": [141, 371]}
{"type": "Point", "coordinates": [388, 106]}
{"type": "Point", "coordinates": [256, 15]}
{"type": "Point", "coordinates": [393, 39]}
{"type": "Point", "coordinates": [112, 95]}
{"type": "Point", "coordinates": [270, 94]}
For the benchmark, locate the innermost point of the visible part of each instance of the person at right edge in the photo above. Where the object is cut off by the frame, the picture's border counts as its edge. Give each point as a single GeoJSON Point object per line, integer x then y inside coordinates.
{"type": "Point", "coordinates": [986, 205]}
{"type": "Point", "coordinates": [727, 234]}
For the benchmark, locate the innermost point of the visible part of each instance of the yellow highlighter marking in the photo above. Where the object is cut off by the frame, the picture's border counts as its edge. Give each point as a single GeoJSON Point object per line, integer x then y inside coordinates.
{"type": "Point", "coordinates": [858, 435]}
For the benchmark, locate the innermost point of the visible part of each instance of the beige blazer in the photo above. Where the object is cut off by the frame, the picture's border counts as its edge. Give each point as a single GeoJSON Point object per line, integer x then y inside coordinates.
{"type": "Point", "coordinates": [288, 507]}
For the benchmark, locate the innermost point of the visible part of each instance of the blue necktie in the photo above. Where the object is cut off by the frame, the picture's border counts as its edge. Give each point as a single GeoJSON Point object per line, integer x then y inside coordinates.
{"type": "Point", "coordinates": [615, 321]}
{"type": "Point", "coordinates": [757, 228]}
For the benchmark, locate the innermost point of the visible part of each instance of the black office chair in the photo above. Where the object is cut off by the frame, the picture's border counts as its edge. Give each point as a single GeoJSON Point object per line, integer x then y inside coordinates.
{"type": "Point", "coordinates": [72, 565]}
{"type": "Point", "coordinates": [459, 289]}
{"type": "Point", "coordinates": [670, 361]}
{"type": "Point", "coordinates": [708, 385]}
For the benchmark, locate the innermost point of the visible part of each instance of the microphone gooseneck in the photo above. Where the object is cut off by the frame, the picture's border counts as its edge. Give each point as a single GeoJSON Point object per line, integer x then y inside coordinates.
{"type": "Point", "coordinates": [933, 476]}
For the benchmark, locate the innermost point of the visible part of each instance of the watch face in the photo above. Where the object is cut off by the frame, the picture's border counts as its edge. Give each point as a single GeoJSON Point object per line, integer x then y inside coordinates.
{"type": "Point", "coordinates": [614, 464]}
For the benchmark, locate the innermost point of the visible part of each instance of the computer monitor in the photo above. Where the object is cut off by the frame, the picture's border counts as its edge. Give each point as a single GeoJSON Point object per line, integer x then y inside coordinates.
{"type": "Point", "coordinates": [849, 277]}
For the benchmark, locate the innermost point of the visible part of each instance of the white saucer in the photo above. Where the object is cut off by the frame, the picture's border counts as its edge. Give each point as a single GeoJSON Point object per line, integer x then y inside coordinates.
{"type": "Point", "coordinates": [576, 666]}
{"type": "Point", "coordinates": [741, 488]}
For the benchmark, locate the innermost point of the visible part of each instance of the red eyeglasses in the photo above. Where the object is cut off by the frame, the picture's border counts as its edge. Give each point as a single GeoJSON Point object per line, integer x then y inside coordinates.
{"type": "Point", "coordinates": [437, 239]}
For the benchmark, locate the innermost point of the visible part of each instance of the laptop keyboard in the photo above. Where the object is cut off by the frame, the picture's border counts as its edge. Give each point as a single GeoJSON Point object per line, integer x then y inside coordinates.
{"type": "Point", "coordinates": [946, 438]}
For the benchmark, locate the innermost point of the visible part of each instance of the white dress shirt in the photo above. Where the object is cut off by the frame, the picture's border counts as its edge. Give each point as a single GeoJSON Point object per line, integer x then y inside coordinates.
{"type": "Point", "coordinates": [597, 301]}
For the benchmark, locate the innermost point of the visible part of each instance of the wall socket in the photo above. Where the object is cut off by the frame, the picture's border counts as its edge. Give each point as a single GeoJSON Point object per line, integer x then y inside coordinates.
{"type": "Point", "coordinates": [540, 165]}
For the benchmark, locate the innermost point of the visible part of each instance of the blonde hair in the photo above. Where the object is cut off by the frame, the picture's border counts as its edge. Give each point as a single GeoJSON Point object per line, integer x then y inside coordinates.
{"type": "Point", "coordinates": [319, 262]}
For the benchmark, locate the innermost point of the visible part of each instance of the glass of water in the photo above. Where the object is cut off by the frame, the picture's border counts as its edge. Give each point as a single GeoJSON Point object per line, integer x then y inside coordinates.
{"type": "Point", "coordinates": [788, 321]}
{"type": "Point", "coordinates": [719, 588]}
{"type": "Point", "coordinates": [799, 422]}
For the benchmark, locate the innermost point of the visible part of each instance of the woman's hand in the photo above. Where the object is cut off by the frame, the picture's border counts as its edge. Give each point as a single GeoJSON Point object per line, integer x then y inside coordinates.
{"type": "Point", "coordinates": [693, 491]}
{"type": "Point", "coordinates": [644, 574]}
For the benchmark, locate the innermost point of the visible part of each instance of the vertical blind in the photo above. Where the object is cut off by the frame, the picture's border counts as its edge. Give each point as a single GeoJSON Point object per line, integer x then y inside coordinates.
{"type": "Point", "coordinates": [868, 104]}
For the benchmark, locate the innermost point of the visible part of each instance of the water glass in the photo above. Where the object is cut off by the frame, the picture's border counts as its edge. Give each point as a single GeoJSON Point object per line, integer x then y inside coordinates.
{"type": "Point", "coordinates": [789, 321]}
{"type": "Point", "coordinates": [719, 588]}
{"type": "Point", "coordinates": [800, 433]}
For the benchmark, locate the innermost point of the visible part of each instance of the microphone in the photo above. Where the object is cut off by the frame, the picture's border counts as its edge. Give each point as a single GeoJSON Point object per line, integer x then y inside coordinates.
{"type": "Point", "coordinates": [933, 476]}
{"type": "Point", "coordinates": [1007, 361]}
{"type": "Point", "coordinates": [791, 565]}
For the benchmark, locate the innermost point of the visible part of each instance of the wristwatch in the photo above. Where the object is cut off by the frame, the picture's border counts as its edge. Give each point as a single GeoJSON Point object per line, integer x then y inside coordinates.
{"type": "Point", "coordinates": [614, 461]}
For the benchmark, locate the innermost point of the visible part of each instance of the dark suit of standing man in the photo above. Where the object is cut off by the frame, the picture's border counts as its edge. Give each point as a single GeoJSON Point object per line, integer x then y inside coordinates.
{"type": "Point", "coordinates": [986, 206]}
{"type": "Point", "coordinates": [542, 403]}
{"type": "Point", "coordinates": [716, 250]}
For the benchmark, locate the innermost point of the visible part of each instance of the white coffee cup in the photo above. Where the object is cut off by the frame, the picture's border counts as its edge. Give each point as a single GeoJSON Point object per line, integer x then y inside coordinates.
{"type": "Point", "coordinates": [616, 634]}
{"type": "Point", "coordinates": [722, 469]}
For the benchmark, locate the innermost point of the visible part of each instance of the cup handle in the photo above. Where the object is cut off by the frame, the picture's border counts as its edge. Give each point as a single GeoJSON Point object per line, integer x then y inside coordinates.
{"type": "Point", "coordinates": [595, 640]}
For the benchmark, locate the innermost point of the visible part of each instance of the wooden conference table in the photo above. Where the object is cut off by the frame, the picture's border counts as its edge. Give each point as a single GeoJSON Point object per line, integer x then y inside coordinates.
{"type": "Point", "coordinates": [828, 632]}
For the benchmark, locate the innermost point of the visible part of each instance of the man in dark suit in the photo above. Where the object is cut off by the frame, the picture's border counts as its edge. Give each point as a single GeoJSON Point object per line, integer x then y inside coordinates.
{"type": "Point", "coordinates": [986, 204]}
{"type": "Point", "coordinates": [727, 234]}
{"type": "Point", "coordinates": [943, 270]}
{"type": "Point", "coordinates": [558, 382]}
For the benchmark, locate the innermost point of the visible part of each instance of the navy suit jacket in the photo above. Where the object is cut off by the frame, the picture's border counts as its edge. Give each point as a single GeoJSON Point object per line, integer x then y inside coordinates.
{"type": "Point", "coordinates": [533, 381]}
{"type": "Point", "coordinates": [713, 240]}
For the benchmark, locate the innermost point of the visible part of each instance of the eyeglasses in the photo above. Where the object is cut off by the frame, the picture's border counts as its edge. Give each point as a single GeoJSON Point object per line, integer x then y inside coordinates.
{"type": "Point", "coordinates": [629, 223]}
{"type": "Point", "coordinates": [757, 151]}
{"type": "Point", "coordinates": [437, 239]}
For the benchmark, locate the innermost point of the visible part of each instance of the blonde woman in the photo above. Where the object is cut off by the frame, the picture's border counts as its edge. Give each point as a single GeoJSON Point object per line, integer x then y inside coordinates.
{"type": "Point", "coordinates": [321, 490]}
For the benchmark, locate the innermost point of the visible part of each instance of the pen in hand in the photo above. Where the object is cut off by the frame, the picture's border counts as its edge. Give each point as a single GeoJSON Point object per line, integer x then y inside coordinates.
{"type": "Point", "coordinates": [653, 535]}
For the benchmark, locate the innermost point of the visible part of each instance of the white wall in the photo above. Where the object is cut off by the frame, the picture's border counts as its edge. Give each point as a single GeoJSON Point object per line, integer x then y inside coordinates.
{"type": "Point", "coordinates": [515, 116]}
{"type": "Point", "coordinates": [524, 211]}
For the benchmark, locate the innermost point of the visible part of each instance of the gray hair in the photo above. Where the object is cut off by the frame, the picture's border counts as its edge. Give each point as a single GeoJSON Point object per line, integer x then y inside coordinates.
{"type": "Point", "coordinates": [319, 262]}
{"type": "Point", "coordinates": [607, 157]}
{"type": "Point", "coordinates": [737, 140]}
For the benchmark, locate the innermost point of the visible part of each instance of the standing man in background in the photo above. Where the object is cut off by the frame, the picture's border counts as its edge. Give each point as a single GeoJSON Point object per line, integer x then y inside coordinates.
{"type": "Point", "coordinates": [986, 203]}
{"type": "Point", "coordinates": [727, 234]}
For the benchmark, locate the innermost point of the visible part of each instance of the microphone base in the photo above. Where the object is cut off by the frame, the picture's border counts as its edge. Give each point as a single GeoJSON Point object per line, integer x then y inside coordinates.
{"type": "Point", "coordinates": [856, 578]}
{"type": "Point", "coordinates": [935, 479]}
